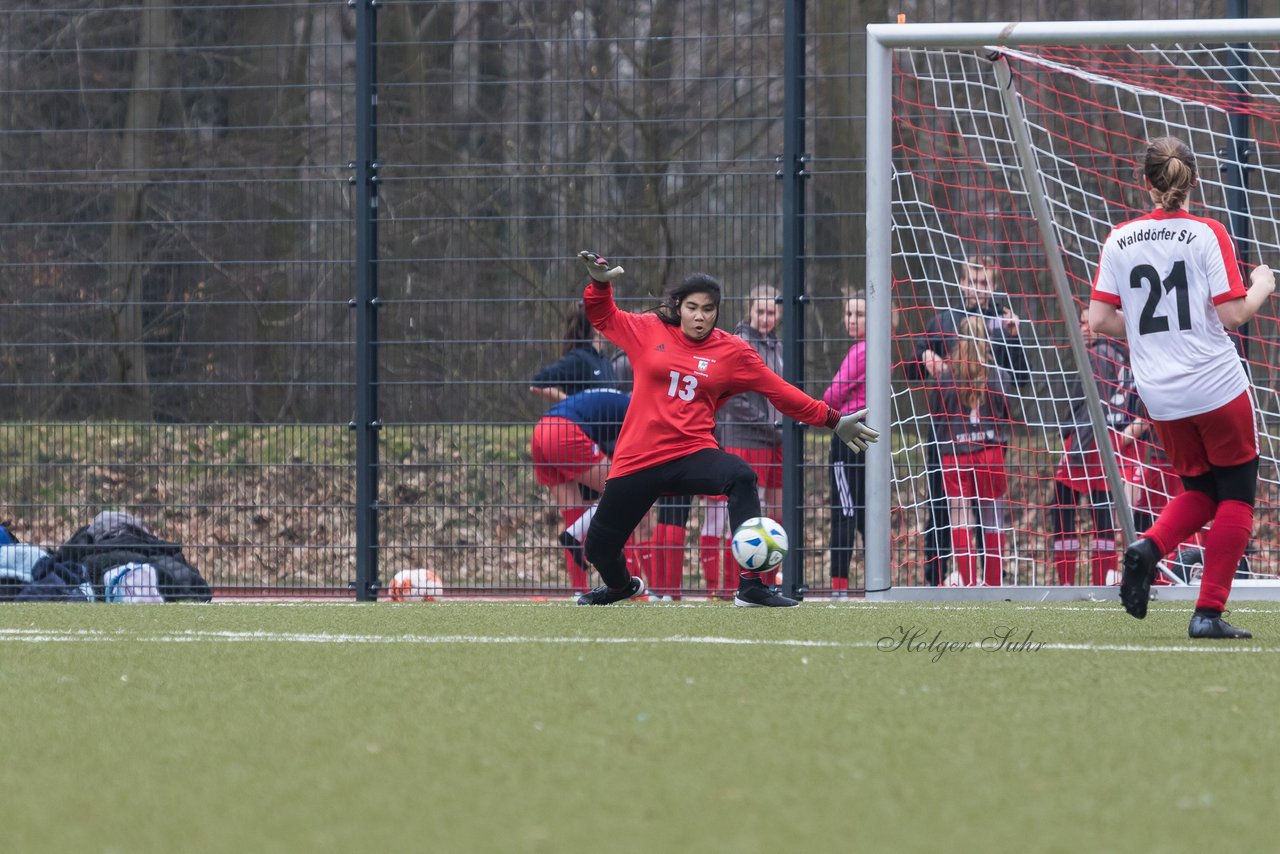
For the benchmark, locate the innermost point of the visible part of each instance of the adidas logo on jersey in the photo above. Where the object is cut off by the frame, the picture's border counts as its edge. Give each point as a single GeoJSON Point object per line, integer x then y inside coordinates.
{"type": "Point", "coordinates": [661, 348]}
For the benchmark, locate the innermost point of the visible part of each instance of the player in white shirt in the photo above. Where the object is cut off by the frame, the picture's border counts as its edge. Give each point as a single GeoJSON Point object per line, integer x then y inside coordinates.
{"type": "Point", "coordinates": [1170, 284]}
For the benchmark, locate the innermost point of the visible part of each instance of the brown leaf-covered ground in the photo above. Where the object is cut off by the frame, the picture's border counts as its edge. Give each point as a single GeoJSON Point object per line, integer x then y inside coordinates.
{"type": "Point", "coordinates": [274, 506]}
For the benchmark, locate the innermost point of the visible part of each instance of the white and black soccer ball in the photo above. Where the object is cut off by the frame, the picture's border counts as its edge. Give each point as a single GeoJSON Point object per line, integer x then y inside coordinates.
{"type": "Point", "coordinates": [759, 543]}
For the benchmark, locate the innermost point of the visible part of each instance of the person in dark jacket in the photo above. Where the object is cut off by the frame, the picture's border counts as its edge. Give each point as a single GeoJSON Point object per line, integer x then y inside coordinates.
{"type": "Point", "coordinates": [567, 458]}
{"type": "Point", "coordinates": [978, 297]}
{"type": "Point", "coordinates": [582, 364]}
{"type": "Point", "coordinates": [748, 426]}
{"type": "Point", "coordinates": [1080, 473]}
{"type": "Point", "coordinates": [571, 446]}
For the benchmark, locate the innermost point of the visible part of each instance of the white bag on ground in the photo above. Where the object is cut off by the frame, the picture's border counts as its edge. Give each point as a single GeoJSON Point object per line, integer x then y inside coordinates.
{"type": "Point", "coordinates": [132, 582]}
{"type": "Point", "coordinates": [17, 560]}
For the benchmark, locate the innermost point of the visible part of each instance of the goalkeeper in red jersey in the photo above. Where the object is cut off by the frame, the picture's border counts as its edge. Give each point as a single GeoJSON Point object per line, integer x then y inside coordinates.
{"type": "Point", "coordinates": [684, 370]}
{"type": "Point", "coordinates": [1170, 284]}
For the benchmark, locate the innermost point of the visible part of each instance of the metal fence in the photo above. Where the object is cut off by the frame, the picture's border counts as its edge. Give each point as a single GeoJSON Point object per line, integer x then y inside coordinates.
{"type": "Point", "coordinates": [276, 274]}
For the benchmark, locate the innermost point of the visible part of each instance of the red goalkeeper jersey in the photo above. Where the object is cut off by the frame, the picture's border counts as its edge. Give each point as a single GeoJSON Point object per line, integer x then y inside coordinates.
{"type": "Point", "coordinates": [679, 384]}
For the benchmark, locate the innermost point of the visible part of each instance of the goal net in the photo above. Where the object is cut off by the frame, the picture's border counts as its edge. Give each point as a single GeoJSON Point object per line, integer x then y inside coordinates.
{"type": "Point", "coordinates": [1010, 164]}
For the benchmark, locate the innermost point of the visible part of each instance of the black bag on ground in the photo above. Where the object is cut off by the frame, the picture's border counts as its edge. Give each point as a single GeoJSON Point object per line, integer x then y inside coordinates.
{"type": "Point", "coordinates": [100, 552]}
{"type": "Point", "coordinates": [54, 581]}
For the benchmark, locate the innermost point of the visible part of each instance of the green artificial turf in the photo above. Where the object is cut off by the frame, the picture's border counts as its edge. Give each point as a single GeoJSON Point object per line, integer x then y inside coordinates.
{"type": "Point", "coordinates": [486, 727]}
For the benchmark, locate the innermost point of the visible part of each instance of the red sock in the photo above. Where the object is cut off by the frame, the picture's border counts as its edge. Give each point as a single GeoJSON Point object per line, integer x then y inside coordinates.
{"type": "Point", "coordinates": [577, 575]}
{"type": "Point", "coordinates": [668, 541]}
{"type": "Point", "coordinates": [839, 584]}
{"type": "Point", "coordinates": [1183, 516]}
{"type": "Point", "coordinates": [1224, 545]}
{"type": "Point", "coordinates": [709, 550]}
{"type": "Point", "coordinates": [993, 560]}
{"type": "Point", "coordinates": [1065, 552]}
{"type": "Point", "coordinates": [1102, 559]}
{"type": "Point", "coordinates": [966, 560]}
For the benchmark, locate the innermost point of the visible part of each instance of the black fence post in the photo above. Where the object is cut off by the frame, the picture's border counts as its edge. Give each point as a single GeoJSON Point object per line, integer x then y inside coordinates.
{"type": "Point", "coordinates": [793, 173]}
{"type": "Point", "coordinates": [367, 421]}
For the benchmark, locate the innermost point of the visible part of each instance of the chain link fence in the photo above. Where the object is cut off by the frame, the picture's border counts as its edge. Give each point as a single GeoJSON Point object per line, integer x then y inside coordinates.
{"type": "Point", "coordinates": [179, 262]}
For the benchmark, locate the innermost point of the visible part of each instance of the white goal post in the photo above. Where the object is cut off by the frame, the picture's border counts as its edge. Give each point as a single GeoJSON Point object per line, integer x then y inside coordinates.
{"type": "Point", "coordinates": [1016, 144]}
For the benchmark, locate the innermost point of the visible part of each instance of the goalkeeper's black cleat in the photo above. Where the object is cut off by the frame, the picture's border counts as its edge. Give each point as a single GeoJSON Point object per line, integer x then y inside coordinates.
{"type": "Point", "coordinates": [574, 547]}
{"type": "Point", "coordinates": [605, 595]}
{"type": "Point", "coordinates": [1208, 624]}
{"type": "Point", "coordinates": [752, 593]}
{"type": "Point", "coordinates": [1140, 561]}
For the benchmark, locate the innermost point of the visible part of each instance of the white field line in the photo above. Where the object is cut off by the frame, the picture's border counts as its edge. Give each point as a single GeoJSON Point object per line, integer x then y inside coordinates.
{"type": "Point", "coordinates": [851, 605]}
{"type": "Point", "coordinates": [116, 636]}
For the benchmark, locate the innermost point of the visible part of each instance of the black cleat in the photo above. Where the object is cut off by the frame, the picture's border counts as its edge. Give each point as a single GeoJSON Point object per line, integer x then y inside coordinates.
{"type": "Point", "coordinates": [752, 593]}
{"type": "Point", "coordinates": [605, 595]}
{"type": "Point", "coordinates": [574, 547]}
{"type": "Point", "coordinates": [1211, 625]}
{"type": "Point", "coordinates": [1140, 561]}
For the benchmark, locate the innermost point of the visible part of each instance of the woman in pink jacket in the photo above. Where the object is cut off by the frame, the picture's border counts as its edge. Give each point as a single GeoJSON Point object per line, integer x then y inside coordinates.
{"type": "Point", "coordinates": [848, 470]}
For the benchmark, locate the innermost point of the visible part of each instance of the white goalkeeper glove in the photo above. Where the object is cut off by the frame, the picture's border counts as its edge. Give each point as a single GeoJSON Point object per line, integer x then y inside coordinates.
{"type": "Point", "coordinates": [854, 432]}
{"type": "Point", "coordinates": [598, 268]}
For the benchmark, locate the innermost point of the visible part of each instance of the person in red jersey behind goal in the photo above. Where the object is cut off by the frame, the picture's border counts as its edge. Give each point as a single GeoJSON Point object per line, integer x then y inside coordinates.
{"type": "Point", "coordinates": [683, 371]}
{"type": "Point", "coordinates": [1170, 284]}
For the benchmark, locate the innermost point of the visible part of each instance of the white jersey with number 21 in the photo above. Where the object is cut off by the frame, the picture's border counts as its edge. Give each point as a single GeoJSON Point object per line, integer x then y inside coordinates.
{"type": "Point", "coordinates": [1167, 272]}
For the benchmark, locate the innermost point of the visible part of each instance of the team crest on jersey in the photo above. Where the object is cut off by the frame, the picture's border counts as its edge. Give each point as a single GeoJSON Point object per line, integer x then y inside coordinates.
{"type": "Point", "coordinates": [702, 365]}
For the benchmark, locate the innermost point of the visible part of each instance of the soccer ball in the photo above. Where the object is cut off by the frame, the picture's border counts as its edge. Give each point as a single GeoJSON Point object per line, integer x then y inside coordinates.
{"type": "Point", "coordinates": [759, 544]}
{"type": "Point", "coordinates": [415, 585]}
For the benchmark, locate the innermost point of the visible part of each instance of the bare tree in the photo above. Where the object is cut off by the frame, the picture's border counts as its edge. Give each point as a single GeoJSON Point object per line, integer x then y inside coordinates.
{"type": "Point", "coordinates": [126, 264]}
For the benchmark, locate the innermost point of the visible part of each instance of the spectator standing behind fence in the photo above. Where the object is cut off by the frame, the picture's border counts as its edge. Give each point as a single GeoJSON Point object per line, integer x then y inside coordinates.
{"type": "Point", "coordinates": [971, 424]}
{"type": "Point", "coordinates": [582, 364]}
{"type": "Point", "coordinates": [749, 427]}
{"type": "Point", "coordinates": [1169, 282]}
{"type": "Point", "coordinates": [571, 446]}
{"type": "Point", "coordinates": [568, 459]}
{"type": "Point", "coordinates": [684, 368]}
{"type": "Point", "coordinates": [978, 297]}
{"type": "Point", "coordinates": [1080, 473]}
{"type": "Point", "coordinates": [848, 471]}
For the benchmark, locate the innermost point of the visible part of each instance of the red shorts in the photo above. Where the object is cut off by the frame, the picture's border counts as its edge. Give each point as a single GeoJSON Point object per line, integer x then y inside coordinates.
{"type": "Point", "coordinates": [765, 462]}
{"type": "Point", "coordinates": [561, 451]}
{"type": "Point", "coordinates": [980, 475]}
{"type": "Point", "coordinates": [1226, 436]}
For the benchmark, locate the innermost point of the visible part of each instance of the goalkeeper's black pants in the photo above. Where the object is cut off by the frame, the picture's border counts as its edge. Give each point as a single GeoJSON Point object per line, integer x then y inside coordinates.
{"type": "Point", "coordinates": [628, 498]}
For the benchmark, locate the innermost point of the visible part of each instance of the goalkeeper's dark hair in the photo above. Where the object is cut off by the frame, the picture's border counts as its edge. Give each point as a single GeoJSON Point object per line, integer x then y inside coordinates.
{"type": "Point", "coordinates": [1171, 168]}
{"type": "Point", "coordinates": [694, 283]}
{"type": "Point", "coordinates": [577, 330]}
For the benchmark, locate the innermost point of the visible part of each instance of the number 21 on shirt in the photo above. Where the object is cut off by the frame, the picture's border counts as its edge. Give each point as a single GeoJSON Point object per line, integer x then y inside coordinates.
{"type": "Point", "coordinates": [1175, 282]}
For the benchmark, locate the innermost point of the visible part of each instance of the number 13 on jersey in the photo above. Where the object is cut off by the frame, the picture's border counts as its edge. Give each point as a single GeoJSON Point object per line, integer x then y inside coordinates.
{"type": "Point", "coordinates": [682, 386]}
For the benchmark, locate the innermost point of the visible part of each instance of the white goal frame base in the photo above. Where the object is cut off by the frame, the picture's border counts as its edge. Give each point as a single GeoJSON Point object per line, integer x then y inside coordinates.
{"type": "Point", "coordinates": [1241, 591]}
